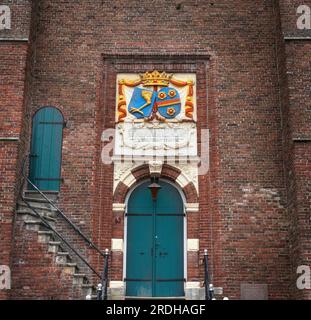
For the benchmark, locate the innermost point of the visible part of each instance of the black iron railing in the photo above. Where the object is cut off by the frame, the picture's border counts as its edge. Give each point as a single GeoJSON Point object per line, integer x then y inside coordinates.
{"type": "Point", "coordinates": [102, 289]}
{"type": "Point", "coordinates": [209, 288]}
{"type": "Point", "coordinates": [105, 255]}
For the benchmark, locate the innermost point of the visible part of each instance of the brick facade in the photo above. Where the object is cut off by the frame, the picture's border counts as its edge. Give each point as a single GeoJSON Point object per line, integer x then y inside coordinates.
{"type": "Point", "coordinates": [253, 87]}
{"type": "Point", "coordinates": [13, 61]}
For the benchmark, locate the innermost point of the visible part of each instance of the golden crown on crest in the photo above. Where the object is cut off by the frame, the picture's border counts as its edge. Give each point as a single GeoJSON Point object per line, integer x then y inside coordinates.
{"type": "Point", "coordinates": [156, 78]}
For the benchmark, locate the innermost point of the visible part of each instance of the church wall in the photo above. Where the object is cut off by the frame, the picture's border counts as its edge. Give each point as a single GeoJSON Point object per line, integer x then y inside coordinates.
{"type": "Point", "coordinates": [13, 56]}
{"type": "Point", "coordinates": [242, 217]}
{"type": "Point", "coordinates": [297, 57]}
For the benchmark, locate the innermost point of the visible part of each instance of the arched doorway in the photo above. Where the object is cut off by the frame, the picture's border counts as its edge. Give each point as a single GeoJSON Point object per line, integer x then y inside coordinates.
{"type": "Point", "coordinates": [46, 149]}
{"type": "Point", "coordinates": [155, 243]}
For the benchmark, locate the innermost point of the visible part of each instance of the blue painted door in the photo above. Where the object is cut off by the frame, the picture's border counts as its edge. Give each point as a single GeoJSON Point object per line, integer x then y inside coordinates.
{"type": "Point", "coordinates": [46, 149]}
{"type": "Point", "coordinates": [155, 243]}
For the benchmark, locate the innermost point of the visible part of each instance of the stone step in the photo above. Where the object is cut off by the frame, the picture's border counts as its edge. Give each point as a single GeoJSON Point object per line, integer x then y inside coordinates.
{"type": "Point", "coordinates": [41, 202]}
{"type": "Point", "coordinates": [36, 206]}
{"type": "Point", "coordinates": [70, 268]}
{"type": "Point", "coordinates": [54, 246]}
{"type": "Point", "coordinates": [24, 211]}
{"type": "Point", "coordinates": [43, 213]}
{"type": "Point", "coordinates": [52, 195]}
{"type": "Point", "coordinates": [79, 279]}
{"type": "Point", "coordinates": [63, 253]}
{"type": "Point", "coordinates": [34, 225]}
{"type": "Point", "coordinates": [87, 289]}
{"type": "Point", "coordinates": [31, 216]}
{"type": "Point", "coordinates": [69, 264]}
{"type": "Point", "coordinates": [62, 259]}
{"type": "Point", "coordinates": [45, 236]}
{"type": "Point", "coordinates": [34, 199]}
{"type": "Point", "coordinates": [73, 265]}
{"type": "Point", "coordinates": [88, 286]}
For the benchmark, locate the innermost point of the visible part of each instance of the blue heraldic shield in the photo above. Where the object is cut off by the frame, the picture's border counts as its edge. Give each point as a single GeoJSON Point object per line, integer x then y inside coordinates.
{"type": "Point", "coordinates": [142, 102]}
{"type": "Point", "coordinates": [168, 103]}
{"type": "Point", "coordinates": [165, 102]}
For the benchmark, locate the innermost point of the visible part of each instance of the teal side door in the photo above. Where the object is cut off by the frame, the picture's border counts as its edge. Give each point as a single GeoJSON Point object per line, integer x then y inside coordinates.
{"type": "Point", "coordinates": [155, 243]}
{"type": "Point", "coordinates": [46, 149]}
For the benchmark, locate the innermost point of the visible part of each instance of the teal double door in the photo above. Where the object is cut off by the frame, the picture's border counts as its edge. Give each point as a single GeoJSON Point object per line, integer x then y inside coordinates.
{"type": "Point", "coordinates": [155, 243]}
{"type": "Point", "coordinates": [46, 149]}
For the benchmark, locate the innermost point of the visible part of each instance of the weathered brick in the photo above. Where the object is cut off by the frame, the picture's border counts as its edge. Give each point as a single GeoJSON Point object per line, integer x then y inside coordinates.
{"type": "Point", "coordinates": [253, 95]}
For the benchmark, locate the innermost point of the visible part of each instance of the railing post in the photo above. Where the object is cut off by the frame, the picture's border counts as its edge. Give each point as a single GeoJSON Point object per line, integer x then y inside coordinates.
{"type": "Point", "coordinates": [209, 288]}
{"type": "Point", "coordinates": [99, 291]}
{"type": "Point", "coordinates": [211, 292]}
{"type": "Point", "coordinates": [105, 284]}
{"type": "Point", "coordinates": [102, 289]}
{"type": "Point", "coordinates": [206, 279]}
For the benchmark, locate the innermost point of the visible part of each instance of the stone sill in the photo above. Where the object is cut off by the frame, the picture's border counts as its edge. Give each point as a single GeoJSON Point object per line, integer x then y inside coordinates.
{"type": "Point", "coordinates": [14, 39]}
{"type": "Point", "coordinates": [288, 38]}
{"type": "Point", "coordinates": [302, 140]}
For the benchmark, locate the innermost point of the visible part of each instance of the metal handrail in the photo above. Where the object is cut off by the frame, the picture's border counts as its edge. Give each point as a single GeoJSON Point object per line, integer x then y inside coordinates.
{"type": "Point", "coordinates": [105, 255]}
{"type": "Point", "coordinates": [75, 228]}
{"type": "Point", "coordinates": [47, 225]}
{"type": "Point", "coordinates": [209, 288]}
{"type": "Point", "coordinates": [102, 289]}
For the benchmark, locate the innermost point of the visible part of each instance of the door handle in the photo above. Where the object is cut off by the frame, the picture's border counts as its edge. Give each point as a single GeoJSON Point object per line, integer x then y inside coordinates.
{"type": "Point", "coordinates": [163, 254]}
{"type": "Point", "coordinates": [157, 244]}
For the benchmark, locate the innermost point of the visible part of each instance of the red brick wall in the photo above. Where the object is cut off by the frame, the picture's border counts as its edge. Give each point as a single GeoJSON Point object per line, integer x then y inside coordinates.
{"type": "Point", "coordinates": [12, 68]}
{"type": "Point", "coordinates": [244, 223]}
{"type": "Point", "coordinates": [7, 202]}
{"type": "Point", "coordinates": [302, 165]}
{"type": "Point", "coordinates": [298, 70]}
{"type": "Point", "coordinates": [13, 56]}
{"type": "Point", "coordinates": [36, 276]}
{"type": "Point", "coordinates": [298, 66]}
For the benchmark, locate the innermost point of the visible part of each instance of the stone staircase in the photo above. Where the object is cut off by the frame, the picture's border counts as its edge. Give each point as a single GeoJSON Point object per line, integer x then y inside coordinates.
{"type": "Point", "coordinates": [61, 257]}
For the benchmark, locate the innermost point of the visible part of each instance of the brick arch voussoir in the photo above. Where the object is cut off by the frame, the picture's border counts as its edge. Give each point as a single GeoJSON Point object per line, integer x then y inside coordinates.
{"type": "Point", "coordinates": [191, 193]}
{"type": "Point", "coordinates": [120, 193]}
{"type": "Point", "coordinates": [169, 172]}
{"type": "Point", "coordinates": [141, 172]}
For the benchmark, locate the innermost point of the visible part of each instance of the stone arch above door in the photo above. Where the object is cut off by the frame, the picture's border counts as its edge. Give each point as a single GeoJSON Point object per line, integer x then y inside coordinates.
{"type": "Point", "coordinates": [141, 172]}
